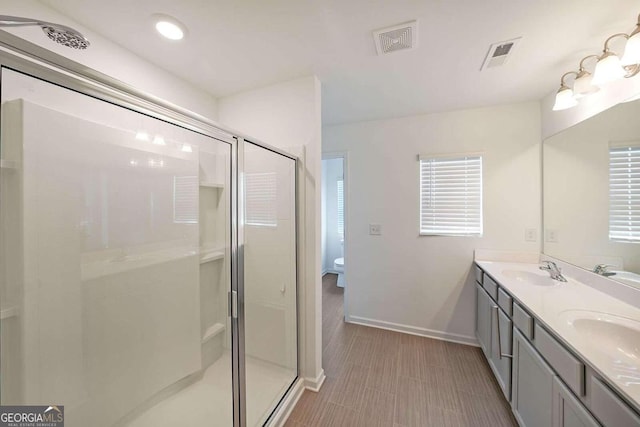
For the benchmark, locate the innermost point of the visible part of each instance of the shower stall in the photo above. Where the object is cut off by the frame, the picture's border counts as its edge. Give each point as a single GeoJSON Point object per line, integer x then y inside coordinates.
{"type": "Point", "coordinates": [148, 259]}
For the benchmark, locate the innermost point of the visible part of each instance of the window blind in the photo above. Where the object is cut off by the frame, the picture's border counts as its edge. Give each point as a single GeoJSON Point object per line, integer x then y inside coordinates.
{"type": "Point", "coordinates": [340, 207]}
{"type": "Point", "coordinates": [451, 195]}
{"type": "Point", "coordinates": [260, 199]}
{"type": "Point", "coordinates": [624, 193]}
{"type": "Point", "coordinates": [185, 199]}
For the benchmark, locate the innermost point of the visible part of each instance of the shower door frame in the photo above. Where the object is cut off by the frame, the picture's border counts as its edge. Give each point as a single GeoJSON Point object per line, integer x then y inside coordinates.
{"type": "Point", "coordinates": [30, 59]}
{"type": "Point", "coordinates": [239, 273]}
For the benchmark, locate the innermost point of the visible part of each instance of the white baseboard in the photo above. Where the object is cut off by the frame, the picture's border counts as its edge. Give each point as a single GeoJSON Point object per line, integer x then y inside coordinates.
{"type": "Point", "coordinates": [282, 413]}
{"type": "Point", "coordinates": [314, 384]}
{"type": "Point", "coordinates": [324, 271]}
{"type": "Point", "coordinates": [414, 330]}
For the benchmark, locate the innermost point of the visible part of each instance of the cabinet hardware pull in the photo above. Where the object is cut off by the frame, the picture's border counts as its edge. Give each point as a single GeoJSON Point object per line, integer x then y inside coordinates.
{"type": "Point", "coordinates": [500, 353]}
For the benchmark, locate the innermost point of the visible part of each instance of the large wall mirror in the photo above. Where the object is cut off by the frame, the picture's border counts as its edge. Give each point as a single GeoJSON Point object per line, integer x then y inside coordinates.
{"type": "Point", "coordinates": [591, 175]}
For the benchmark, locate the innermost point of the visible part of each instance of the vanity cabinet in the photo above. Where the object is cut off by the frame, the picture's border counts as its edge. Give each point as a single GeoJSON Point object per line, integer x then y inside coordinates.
{"type": "Point", "coordinates": [547, 383]}
{"type": "Point", "coordinates": [533, 380]}
{"type": "Point", "coordinates": [494, 329]}
{"type": "Point", "coordinates": [567, 410]}
{"type": "Point", "coordinates": [540, 398]}
{"type": "Point", "coordinates": [501, 343]}
{"type": "Point", "coordinates": [483, 319]}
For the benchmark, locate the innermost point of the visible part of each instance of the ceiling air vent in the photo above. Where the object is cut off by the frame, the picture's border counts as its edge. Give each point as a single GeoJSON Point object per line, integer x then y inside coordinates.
{"type": "Point", "coordinates": [499, 53]}
{"type": "Point", "coordinates": [399, 37]}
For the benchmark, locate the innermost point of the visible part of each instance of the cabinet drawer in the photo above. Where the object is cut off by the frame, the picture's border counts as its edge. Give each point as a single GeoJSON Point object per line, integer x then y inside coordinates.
{"type": "Point", "coordinates": [523, 321]}
{"type": "Point", "coordinates": [609, 409]}
{"type": "Point", "coordinates": [490, 286]}
{"type": "Point", "coordinates": [570, 369]}
{"type": "Point", "coordinates": [478, 272]}
{"type": "Point", "coordinates": [505, 302]}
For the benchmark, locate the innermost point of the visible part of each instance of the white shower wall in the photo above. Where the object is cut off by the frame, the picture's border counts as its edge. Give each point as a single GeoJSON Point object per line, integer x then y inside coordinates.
{"type": "Point", "coordinates": [333, 172]}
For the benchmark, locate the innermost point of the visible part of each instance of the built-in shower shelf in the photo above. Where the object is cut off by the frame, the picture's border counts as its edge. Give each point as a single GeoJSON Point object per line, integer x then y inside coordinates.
{"type": "Point", "coordinates": [6, 313]}
{"type": "Point", "coordinates": [8, 164]}
{"type": "Point", "coordinates": [214, 330]}
{"type": "Point", "coordinates": [211, 184]}
{"type": "Point", "coordinates": [211, 255]}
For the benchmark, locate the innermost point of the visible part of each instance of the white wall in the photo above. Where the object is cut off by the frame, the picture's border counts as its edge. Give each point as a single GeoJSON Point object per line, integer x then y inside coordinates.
{"type": "Point", "coordinates": [333, 246]}
{"type": "Point", "coordinates": [288, 116]}
{"type": "Point", "coordinates": [111, 59]}
{"type": "Point", "coordinates": [423, 284]}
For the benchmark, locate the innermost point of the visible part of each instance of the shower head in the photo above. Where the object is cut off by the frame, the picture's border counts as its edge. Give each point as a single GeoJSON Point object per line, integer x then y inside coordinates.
{"type": "Point", "coordinates": [65, 36]}
{"type": "Point", "coordinates": [61, 34]}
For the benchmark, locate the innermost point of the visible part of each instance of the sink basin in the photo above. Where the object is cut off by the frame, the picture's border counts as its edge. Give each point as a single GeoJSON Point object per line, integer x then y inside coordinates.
{"type": "Point", "coordinates": [530, 278]}
{"type": "Point", "coordinates": [614, 336]}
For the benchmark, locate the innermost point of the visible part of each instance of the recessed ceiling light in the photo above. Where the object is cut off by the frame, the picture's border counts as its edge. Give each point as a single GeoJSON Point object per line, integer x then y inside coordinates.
{"type": "Point", "coordinates": [169, 27]}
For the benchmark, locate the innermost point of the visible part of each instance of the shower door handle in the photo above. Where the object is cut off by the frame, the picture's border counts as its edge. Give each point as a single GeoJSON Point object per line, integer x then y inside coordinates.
{"type": "Point", "coordinates": [234, 304]}
{"type": "Point", "coordinates": [232, 310]}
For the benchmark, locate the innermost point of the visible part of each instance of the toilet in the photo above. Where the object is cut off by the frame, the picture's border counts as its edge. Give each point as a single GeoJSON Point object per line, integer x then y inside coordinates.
{"type": "Point", "coordinates": [338, 266]}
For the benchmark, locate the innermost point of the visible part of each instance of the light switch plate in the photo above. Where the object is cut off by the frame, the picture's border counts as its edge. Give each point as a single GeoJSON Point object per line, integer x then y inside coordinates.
{"type": "Point", "coordinates": [530, 235]}
{"type": "Point", "coordinates": [551, 235]}
{"type": "Point", "coordinates": [375, 229]}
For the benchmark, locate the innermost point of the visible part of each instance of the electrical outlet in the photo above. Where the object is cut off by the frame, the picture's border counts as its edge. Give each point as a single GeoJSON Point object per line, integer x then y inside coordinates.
{"type": "Point", "coordinates": [530, 235]}
{"type": "Point", "coordinates": [375, 229]}
{"type": "Point", "coordinates": [551, 235]}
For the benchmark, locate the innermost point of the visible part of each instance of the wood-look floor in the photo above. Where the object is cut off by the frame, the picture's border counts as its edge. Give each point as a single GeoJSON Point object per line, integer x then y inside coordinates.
{"type": "Point", "coordinates": [382, 378]}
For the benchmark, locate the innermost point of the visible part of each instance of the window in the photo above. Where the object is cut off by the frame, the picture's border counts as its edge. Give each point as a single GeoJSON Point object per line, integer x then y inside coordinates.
{"type": "Point", "coordinates": [260, 196]}
{"type": "Point", "coordinates": [340, 193]}
{"type": "Point", "coordinates": [451, 196]}
{"type": "Point", "coordinates": [185, 199]}
{"type": "Point", "coordinates": [624, 193]}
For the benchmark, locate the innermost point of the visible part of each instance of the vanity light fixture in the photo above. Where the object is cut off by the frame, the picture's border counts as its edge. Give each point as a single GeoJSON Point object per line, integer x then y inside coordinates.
{"type": "Point", "coordinates": [608, 68]}
{"type": "Point", "coordinates": [583, 84]}
{"type": "Point", "coordinates": [169, 27]}
{"type": "Point", "coordinates": [565, 98]}
{"type": "Point", "coordinates": [632, 49]}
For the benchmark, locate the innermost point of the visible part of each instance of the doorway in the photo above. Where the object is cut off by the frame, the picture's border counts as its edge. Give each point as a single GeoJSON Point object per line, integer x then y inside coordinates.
{"type": "Point", "coordinates": [334, 223]}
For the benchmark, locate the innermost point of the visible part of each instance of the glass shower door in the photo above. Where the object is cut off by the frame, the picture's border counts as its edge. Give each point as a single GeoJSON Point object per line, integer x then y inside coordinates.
{"type": "Point", "coordinates": [115, 262]}
{"type": "Point", "coordinates": [269, 270]}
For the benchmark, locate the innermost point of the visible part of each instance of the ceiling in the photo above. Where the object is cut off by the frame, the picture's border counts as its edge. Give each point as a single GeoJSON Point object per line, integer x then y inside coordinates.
{"type": "Point", "coordinates": [233, 46]}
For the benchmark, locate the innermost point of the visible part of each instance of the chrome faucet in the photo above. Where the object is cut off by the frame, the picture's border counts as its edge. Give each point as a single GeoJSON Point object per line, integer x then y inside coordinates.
{"type": "Point", "coordinates": [602, 269]}
{"type": "Point", "coordinates": [553, 270]}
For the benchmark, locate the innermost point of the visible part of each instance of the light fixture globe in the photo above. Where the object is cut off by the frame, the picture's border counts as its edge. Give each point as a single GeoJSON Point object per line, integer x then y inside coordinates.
{"type": "Point", "coordinates": [564, 99]}
{"type": "Point", "coordinates": [608, 69]}
{"type": "Point", "coordinates": [632, 49]}
{"type": "Point", "coordinates": [582, 85]}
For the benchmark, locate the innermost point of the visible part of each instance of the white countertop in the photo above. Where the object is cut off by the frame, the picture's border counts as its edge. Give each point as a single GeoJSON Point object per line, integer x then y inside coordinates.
{"type": "Point", "coordinates": [559, 304]}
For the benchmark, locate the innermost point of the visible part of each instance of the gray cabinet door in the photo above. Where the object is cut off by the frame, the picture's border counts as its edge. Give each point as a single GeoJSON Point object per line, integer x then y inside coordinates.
{"type": "Point", "coordinates": [567, 409]}
{"type": "Point", "coordinates": [532, 400]}
{"type": "Point", "coordinates": [501, 334]}
{"type": "Point", "coordinates": [483, 320]}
